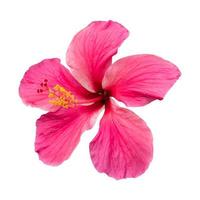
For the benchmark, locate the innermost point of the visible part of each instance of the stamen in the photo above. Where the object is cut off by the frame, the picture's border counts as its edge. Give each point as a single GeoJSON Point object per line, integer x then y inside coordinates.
{"type": "Point", "coordinates": [61, 97]}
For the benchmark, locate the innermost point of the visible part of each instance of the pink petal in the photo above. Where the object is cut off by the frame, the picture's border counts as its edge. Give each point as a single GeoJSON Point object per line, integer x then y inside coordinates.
{"type": "Point", "coordinates": [140, 79]}
{"type": "Point", "coordinates": [91, 50]}
{"type": "Point", "coordinates": [50, 72]}
{"type": "Point", "coordinates": [123, 146]}
{"type": "Point", "coordinates": [58, 133]}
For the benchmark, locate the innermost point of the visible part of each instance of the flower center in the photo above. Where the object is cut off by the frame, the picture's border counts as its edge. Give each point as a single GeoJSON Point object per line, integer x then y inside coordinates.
{"type": "Point", "coordinates": [59, 96]}
{"type": "Point", "coordinates": [104, 94]}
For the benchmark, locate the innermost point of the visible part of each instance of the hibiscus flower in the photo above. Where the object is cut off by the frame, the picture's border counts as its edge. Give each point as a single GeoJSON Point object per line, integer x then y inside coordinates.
{"type": "Point", "coordinates": [123, 146]}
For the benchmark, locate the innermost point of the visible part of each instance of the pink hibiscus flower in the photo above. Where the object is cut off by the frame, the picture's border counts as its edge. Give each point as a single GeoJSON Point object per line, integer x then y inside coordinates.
{"type": "Point", "coordinates": [123, 145]}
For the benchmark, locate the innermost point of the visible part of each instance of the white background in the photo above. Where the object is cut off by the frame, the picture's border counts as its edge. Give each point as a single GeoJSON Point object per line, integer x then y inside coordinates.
{"type": "Point", "coordinates": [33, 30]}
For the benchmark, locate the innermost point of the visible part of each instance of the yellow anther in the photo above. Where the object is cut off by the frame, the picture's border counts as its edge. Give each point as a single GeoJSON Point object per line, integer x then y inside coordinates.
{"type": "Point", "coordinates": [51, 95]}
{"type": "Point", "coordinates": [56, 87]}
{"type": "Point", "coordinates": [61, 97]}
